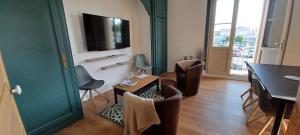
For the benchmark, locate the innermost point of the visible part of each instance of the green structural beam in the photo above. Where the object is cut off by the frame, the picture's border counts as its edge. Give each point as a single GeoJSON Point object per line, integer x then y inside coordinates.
{"type": "Point", "coordinates": [147, 5]}
{"type": "Point", "coordinates": [157, 10]}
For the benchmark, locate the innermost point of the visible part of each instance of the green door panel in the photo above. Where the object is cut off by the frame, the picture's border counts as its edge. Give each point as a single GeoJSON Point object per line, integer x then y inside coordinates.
{"type": "Point", "coordinates": [147, 5]}
{"type": "Point", "coordinates": [159, 36]}
{"type": "Point", "coordinates": [161, 44]}
{"type": "Point", "coordinates": [161, 8]}
{"type": "Point", "coordinates": [32, 37]}
{"type": "Point", "coordinates": [158, 11]}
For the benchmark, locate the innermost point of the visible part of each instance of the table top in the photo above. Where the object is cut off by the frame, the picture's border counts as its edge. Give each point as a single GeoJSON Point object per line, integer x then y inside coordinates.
{"type": "Point", "coordinates": [272, 77]}
{"type": "Point", "coordinates": [140, 83]}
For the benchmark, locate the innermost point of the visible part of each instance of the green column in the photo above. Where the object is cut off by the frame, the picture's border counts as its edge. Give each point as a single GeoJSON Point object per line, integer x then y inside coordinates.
{"type": "Point", "coordinates": [157, 10]}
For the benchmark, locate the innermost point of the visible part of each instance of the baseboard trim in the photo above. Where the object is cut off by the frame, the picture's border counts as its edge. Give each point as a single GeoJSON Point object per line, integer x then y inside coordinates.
{"type": "Point", "coordinates": [230, 77]}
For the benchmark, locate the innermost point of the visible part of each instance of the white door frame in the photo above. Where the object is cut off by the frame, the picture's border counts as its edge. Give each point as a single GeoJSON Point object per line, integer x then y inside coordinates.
{"type": "Point", "coordinates": [261, 31]}
{"type": "Point", "coordinates": [283, 42]}
{"type": "Point", "coordinates": [228, 49]}
{"type": "Point", "coordinates": [10, 119]}
{"type": "Point", "coordinates": [286, 30]}
{"type": "Point", "coordinates": [232, 37]}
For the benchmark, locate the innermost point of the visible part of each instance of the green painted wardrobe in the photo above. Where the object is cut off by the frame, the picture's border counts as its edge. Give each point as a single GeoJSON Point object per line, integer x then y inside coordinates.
{"type": "Point", "coordinates": [37, 56]}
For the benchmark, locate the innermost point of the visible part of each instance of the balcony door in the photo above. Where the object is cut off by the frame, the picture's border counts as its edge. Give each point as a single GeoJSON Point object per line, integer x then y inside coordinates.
{"type": "Point", "coordinates": [275, 31]}
{"type": "Point", "coordinates": [234, 30]}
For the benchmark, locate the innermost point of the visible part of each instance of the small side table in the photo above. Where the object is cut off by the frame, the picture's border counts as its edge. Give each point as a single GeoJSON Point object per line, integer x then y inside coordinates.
{"type": "Point", "coordinates": [141, 84]}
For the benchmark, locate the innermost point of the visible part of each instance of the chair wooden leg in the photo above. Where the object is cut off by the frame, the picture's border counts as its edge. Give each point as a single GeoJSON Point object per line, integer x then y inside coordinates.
{"type": "Point", "coordinates": [91, 96]}
{"type": "Point", "coordinates": [252, 115]}
{"type": "Point", "coordinates": [83, 95]}
{"type": "Point", "coordinates": [256, 119]}
{"type": "Point", "coordinates": [248, 98]}
{"type": "Point", "coordinates": [252, 102]}
{"type": "Point", "coordinates": [270, 119]}
{"type": "Point", "coordinates": [107, 100]}
{"type": "Point", "coordinates": [284, 126]}
{"type": "Point", "coordinates": [245, 93]}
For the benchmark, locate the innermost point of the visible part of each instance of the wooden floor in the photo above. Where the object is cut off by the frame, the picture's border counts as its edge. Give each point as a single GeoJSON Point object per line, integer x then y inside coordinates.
{"type": "Point", "coordinates": [215, 110]}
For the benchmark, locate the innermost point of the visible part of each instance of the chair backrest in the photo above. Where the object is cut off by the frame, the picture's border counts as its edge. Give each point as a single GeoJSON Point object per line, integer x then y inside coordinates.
{"type": "Point", "coordinates": [188, 81]}
{"type": "Point", "coordinates": [193, 78]}
{"type": "Point", "coordinates": [264, 100]}
{"type": "Point", "coordinates": [250, 72]}
{"type": "Point", "coordinates": [168, 112]}
{"type": "Point", "coordinates": [141, 61]}
{"type": "Point", "coordinates": [251, 76]}
{"type": "Point", "coordinates": [198, 63]}
{"type": "Point", "coordinates": [254, 86]}
{"type": "Point", "coordinates": [83, 76]}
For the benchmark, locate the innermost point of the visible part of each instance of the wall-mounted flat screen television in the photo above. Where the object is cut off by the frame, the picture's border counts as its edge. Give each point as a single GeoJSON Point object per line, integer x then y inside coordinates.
{"type": "Point", "coordinates": [105, 33]}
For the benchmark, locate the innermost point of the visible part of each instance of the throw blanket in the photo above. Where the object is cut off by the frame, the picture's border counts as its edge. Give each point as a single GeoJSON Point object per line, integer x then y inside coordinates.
{"type": "Point", "coordinates": [184, 64]}
{"type": "Point", "coordinates": [139, 114]}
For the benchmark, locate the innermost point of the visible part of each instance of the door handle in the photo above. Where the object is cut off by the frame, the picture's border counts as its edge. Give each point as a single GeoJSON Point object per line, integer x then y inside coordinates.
{"type": "Point", "coordinates": [17, 90]}
{"type": "Point", "coordinates": [276, 43]}
{"type": "Point", "coordinates": [64, 60]}
{"type": "Point", "coordinates": [282, 45]}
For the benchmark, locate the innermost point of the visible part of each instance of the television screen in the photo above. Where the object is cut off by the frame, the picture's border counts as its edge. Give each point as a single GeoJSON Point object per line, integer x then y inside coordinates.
{"type": "Point", "coordinates": [106, 33]}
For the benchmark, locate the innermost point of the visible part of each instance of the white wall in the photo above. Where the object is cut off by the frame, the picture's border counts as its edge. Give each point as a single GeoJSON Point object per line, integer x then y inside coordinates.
{"type": "Point", "coordinates": [186, 29]}
{"type": "Point", "coordinates": [292, 53]}
{"type": "Point", "coordinates": [145, 31]}
{"type": "Point", "coordinates": [131, 10]}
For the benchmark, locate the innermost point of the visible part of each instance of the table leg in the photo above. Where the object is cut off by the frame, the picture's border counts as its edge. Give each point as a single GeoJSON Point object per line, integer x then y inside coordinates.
{"type": "Point", "coordinates": [116, 97]}
{"type": "Point", "coordinates": [278, 118]}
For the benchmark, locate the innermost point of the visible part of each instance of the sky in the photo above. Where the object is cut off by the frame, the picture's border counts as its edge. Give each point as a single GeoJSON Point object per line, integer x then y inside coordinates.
{"type": "Point", "coordinates": [249, 12]}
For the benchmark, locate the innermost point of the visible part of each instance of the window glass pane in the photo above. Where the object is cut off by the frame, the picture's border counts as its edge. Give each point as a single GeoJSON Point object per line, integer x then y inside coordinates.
{"type": "Point", "coordinates": [224, 11]}
{"type": "Point", "coordinates": [246, 34]}
{"type": "Point", "coordinates": [223, 20]}
{"type": "Point", "coordinates": [275, 23]}
{"type": "Point", "coordinates": [277, 9]}
{"type": "Point", "coordinates": [221, 35]}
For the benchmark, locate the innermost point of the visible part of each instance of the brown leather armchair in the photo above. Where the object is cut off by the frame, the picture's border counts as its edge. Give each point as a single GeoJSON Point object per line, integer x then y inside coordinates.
{"type": "Point", "coordinates": [188, 80]}
{"type": "Point", "coordinates": [168, 112]}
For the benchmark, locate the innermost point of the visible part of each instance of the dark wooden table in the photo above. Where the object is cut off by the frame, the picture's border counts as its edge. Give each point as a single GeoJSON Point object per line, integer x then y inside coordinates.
{"type": "Point", "coordinates": [281, 89]}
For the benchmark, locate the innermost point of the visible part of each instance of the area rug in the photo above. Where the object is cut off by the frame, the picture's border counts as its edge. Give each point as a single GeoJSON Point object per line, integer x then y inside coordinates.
{"type": "Point", "coordinates": [115, 113]}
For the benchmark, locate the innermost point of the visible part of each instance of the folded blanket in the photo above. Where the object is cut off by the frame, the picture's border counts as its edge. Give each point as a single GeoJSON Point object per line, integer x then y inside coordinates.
{"type": "Point", "coordinates": [184, 64]}
{"type": "Point", "coordinates": [139, 114]}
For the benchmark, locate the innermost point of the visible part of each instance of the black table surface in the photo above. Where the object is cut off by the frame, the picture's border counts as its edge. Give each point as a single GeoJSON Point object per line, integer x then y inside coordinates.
{"type": "Point", "coordinates": [272, 77]}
